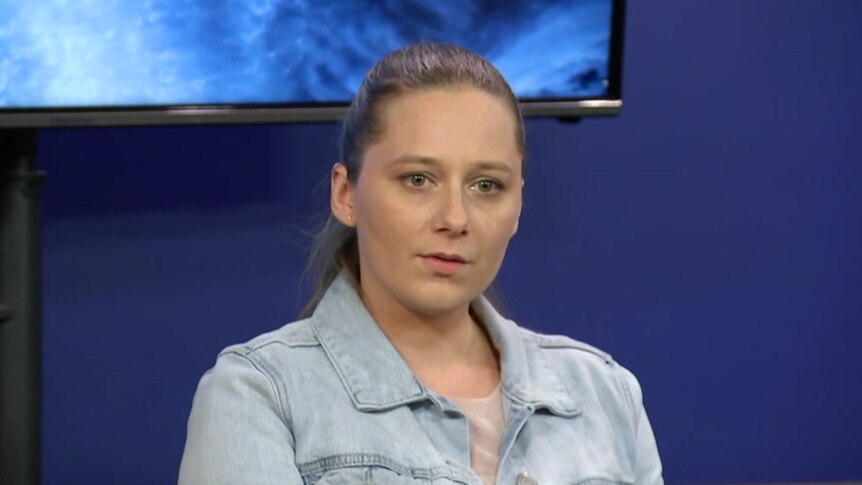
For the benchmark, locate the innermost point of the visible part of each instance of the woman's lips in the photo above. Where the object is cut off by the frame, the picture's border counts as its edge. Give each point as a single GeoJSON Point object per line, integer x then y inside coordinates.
{"type": "Point", "coordinates": [444, 264]}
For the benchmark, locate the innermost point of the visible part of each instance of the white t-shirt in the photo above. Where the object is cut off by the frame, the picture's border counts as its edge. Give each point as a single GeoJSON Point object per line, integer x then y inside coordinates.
{"type": "Point", "coordinates": [487, 426]}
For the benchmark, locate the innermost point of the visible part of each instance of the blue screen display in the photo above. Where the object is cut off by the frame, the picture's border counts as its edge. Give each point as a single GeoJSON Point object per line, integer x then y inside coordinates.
{"type": "Point", "coordinates": [97, 53]}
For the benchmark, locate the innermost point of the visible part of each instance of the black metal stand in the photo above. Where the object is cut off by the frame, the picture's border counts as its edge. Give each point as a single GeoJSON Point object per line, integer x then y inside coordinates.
{"type": "Point", "coordinates": [20, 309]}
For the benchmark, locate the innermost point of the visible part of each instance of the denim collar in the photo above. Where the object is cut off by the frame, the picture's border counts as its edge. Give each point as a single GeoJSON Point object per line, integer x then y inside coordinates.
{"type": "Point", "coordinates": [377, 377]}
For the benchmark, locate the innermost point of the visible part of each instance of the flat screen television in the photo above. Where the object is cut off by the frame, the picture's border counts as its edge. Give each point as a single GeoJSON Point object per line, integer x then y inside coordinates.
{"type": "Point", "coordinates": [139, 62]}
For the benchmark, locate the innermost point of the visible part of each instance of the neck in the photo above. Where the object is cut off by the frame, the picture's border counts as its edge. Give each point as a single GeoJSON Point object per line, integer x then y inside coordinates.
{"type": "Point", "coordinates": [451, 353]}
{"type": "Point", "coordinates": [439, 337]}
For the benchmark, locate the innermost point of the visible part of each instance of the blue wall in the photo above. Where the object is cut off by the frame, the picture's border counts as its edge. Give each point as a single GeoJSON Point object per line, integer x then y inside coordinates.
{"type": "Point", "coordinates": [709, 238]}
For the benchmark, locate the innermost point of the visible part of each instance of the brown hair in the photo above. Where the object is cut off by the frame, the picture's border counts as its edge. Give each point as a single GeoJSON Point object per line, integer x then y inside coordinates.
{"type": "Point", "coordinates": [412, 68]}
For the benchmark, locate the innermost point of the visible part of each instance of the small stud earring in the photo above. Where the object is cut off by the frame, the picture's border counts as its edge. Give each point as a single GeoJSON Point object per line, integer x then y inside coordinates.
{"type": "Point", "coordinates": [349, 218]}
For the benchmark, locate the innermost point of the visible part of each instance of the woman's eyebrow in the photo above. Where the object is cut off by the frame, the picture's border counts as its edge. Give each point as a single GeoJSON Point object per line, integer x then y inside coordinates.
{"type": "Point", "coordinates": [493, 165]}
{"type": "Point", "coordinates": [431, 161]}
{"type": "Point", "coordinates": [419, 159]}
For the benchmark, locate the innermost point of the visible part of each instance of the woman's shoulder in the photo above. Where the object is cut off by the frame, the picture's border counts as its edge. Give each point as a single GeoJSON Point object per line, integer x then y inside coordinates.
{"type": "Point", "coordinates": [272, 366]}
{"type": "Point", "coordinates": [581, 365]}
{"type": "Point", "coordinates": [565, 343]}
{"type": "Point", "coordinates": [277, 356]}
{"type": "Point", "coordinates": [562, 349]}
{"type": "Point", "coordinates": [296, 334]}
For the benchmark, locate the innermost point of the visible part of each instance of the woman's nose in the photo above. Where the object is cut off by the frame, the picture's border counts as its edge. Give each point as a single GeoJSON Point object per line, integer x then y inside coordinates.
{"type": "Point", "coordinates": [453, 216]}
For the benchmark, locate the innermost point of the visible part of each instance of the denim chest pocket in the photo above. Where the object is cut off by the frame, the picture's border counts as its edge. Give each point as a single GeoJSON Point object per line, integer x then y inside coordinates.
{"type": "Point", "coordinates": [581, 450]}
{"type": "Point", "coordinates": [601, 481]}
{"type": "Point", "coordinates": [526, 479]}
{"type": "Point", "coordinates": [366, 468]}
{"type": "Point", "coordinates": [362, 475]}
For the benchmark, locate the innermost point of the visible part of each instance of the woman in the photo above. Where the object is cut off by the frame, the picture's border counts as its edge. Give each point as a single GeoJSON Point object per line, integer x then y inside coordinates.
{"type": "Point", "coordinates": [402, 372]}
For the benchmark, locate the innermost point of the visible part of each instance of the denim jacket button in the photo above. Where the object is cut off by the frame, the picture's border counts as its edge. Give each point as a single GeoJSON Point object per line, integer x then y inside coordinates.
{"type": "Point", "coordinates": [524, 478]}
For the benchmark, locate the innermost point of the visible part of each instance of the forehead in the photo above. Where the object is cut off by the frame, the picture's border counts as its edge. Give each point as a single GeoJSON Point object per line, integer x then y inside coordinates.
{"type": "Point", "coordinates": [452, 124]}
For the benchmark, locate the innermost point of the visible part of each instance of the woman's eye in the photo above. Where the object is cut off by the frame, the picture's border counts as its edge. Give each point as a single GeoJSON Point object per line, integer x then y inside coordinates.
{"type": "Point", "coordinates": [417, 179]}
{"type": "Point", "coordinates": [486, 186]}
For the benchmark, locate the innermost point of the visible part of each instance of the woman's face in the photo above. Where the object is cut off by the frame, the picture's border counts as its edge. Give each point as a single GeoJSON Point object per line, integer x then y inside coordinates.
{"type": "Point", "coordinates": [436, 201]}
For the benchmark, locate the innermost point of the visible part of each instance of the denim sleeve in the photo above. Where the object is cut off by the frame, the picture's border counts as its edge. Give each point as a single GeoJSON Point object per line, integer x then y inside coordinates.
{"type": "Point", "coordinates": [237, 433]}
{"type": "Point", "coordinates": [648, 463]}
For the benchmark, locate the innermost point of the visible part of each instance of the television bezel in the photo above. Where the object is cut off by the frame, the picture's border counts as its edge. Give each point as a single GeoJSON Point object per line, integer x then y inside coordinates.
{"type": "Point", "coordinates": [58, 117]}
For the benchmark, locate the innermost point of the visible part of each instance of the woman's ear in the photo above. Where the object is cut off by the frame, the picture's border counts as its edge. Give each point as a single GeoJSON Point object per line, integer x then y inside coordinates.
{"type": "Point", "coordinates": [342, 195]}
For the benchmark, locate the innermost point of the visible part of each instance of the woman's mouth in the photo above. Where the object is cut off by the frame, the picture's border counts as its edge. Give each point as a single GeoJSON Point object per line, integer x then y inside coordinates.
{"type": "Point", "coordinates": [444, 264]}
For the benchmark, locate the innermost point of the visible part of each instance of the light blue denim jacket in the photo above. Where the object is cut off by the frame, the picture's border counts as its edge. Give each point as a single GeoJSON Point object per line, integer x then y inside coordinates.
{"type": "Point", "coordinates": [329, 400]}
